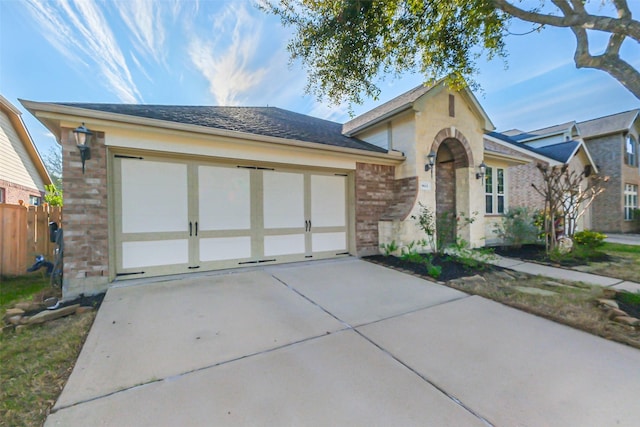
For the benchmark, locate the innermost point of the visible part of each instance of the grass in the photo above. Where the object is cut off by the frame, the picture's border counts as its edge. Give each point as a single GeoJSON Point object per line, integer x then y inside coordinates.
{"type": "Point", "coordinates": [14, 289]}
{"type": "Point", "coordinates": [625, 263]}
{"type": "Point", "coordinates": [36, 363]}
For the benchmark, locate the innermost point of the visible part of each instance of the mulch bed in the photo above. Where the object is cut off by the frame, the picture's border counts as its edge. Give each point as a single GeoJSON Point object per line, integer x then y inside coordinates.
{"type": "Point", "coordinates": [451, 269]}
{"type": "Point", "coordinates": [537, 253]}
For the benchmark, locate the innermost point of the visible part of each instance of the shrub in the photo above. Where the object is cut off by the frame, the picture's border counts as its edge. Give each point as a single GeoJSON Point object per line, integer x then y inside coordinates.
{"type": "Point", "coordinates": [517, 228]}
{"type": "Point", "coordinates": [389, 248]}
{"type": "Point", "coordinates": [591, 240]}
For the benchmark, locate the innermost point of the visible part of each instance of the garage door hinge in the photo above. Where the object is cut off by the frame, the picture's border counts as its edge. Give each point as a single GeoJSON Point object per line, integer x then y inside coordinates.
{"type": "Point", "coordinates": [120, 156]}
{"type": "Point", "coordinates": [129, 274]}
{"type": "Point", "coordinates": [343, 253]}
{"type": "Point", "coordinates": [267, 260]}
{"type": "Point", "coordinates": [255, 167]}
{"type": "Point", "coordinates": [341, 174]}
{"type": "Point", "coordinates": [194, 267]}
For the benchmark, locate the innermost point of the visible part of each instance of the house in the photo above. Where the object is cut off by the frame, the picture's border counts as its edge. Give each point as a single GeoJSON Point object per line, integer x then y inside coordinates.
{"type": "Point", "coordinates": [178, 189]}
{"type": "Point", "coordinates": [554, 146]}
{"type": "Point", "coordinates": [23, 176]}
{"type": "Point", "coordinates": [613, 142]}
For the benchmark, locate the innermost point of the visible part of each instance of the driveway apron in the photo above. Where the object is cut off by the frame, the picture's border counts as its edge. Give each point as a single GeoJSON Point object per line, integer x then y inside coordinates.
{"type": "Point", "coordinates": [341, 342]}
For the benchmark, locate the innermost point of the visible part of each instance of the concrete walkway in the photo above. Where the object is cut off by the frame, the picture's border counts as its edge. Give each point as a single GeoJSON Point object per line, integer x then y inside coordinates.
{"type": "Point", "coordinates": [625, 239]}
{"type": "Point", "coordinates": [564, 274]}
{"type": "Point", "coordinates": [340, 342]}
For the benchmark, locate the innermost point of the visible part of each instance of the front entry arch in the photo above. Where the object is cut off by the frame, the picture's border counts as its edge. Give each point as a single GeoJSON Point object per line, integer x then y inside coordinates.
{"type": "Point", "coordinates": [453, 158]}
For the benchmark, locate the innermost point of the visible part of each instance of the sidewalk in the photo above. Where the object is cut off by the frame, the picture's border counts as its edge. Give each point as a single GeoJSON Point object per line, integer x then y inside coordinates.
{"type": "Point", "coordinates": [564, 274]}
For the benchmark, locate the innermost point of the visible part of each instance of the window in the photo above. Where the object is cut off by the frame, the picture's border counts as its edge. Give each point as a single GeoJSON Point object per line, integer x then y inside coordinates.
{"type": "Point", "coordinates": [494, 190]}
{"type": "Point", "coordinates": [631, 151]}
{"type": "Point", "coordinates": [34, 200]}
{"type": "Point", "coordinates": [1, 195]}
{"type": "Point", "coordinates": [630, 200]}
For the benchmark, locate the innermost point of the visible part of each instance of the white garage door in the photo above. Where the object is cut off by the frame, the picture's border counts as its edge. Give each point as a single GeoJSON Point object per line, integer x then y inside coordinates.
{"type": "Point", "coordinates": [174, 216]}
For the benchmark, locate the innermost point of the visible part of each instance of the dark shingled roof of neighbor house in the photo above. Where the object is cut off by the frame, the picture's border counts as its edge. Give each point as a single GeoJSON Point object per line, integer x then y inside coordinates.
{"type": "Point", "coordinates": [549, 130]}
{"type": "Point", "coordinates": [609, 124]}
{"type": "Point", "coordinates": [265, 121]}
{"type": "Point", "coordinates": [561, 152]}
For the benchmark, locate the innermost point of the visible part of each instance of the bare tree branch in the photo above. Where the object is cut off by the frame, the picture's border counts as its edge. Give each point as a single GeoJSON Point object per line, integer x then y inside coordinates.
{"type": "Point", "coordinates": [573, 18]}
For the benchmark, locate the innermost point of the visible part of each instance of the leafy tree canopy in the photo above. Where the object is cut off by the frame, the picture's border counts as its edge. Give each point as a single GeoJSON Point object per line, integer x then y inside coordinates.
{"type": "Point", "coordinates": [347, 44]}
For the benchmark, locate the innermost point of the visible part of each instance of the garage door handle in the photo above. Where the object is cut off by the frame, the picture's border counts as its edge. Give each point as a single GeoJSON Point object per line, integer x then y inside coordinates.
{"type": "Point", "coordinates": [309, 225]}
{"type": "Point", "coordinates": [196, 228]}
{"type": "Point", "coordinates": [190, 228]}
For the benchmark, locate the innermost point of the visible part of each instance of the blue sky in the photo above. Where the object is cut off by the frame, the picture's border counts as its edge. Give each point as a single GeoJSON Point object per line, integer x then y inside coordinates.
{"type": "Point", "coordinates": [215, 52]}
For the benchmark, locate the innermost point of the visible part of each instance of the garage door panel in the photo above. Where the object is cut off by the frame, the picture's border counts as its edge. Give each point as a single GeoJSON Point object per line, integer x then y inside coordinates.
{"type": "Point", "coordinates": [328, 200]}
{"type": "Point", "coordinates": [225, 248]}
{"type": "Point", "coordinates": [224, 198]}
{"type": "Point", "coordinates": [154, 196]}
{"type": "Point", "coordinates": [322, 242]}
{"type": "Point", "coordinates": [283, 199]}
{"type": "Point", "coordinates": [155, 253]}
{"type": "Point", "coordinates": [284, 245]}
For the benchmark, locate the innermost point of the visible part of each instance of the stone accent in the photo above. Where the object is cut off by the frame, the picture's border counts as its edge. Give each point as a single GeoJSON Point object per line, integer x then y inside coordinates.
{"type": "Point", "coordinates": [48, 315]}
{"type": "Point", "coordinates": [461, 152]}
{"type": "Point", "coordinates": [85, 223]}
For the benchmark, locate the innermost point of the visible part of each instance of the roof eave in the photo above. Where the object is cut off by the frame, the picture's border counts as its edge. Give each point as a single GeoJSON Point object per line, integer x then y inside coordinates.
{"type": "Point", "coordinates": [49, 114]}
{"type": "Point", "coordinates": [533, 154]}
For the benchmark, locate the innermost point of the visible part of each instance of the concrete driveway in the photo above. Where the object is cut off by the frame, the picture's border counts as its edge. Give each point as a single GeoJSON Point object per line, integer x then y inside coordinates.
{"type": "Point", "coordinates": [339, 342]}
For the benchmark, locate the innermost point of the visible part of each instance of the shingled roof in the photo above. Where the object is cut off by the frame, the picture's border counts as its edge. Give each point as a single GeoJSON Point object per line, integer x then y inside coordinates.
{"type": "Point", "coordinates": [609, 124]}
{"type": "Point", "coordinates": [549, 130]}
{"type": "Point", "coordinates": [265, 121]}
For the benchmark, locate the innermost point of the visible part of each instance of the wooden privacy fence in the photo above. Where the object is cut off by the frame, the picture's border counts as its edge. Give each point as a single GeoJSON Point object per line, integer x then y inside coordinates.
{"type": "Point", "coordinates": [24, 233]}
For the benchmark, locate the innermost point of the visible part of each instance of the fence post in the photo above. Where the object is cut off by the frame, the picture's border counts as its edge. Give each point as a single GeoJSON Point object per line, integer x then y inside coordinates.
{"type": "Point", "coordinates": [13, 239]}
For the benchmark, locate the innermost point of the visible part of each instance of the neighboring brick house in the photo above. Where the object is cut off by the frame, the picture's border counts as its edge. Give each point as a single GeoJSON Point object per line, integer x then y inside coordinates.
{"type": "Point", "coordinates": [520, 178]}
{"type": "Point", "coordinates": [613, 142]}
{"type": "Point", "coordinates": [22, 173]}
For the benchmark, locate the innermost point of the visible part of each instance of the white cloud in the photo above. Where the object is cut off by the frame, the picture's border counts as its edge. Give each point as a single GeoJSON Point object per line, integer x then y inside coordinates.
{"type": "Point", "coordinates": [79, 30]}
{"type": "Point", "coordinates": [227, 68]}
{"type": "Point", "coordinates": [144, 20]}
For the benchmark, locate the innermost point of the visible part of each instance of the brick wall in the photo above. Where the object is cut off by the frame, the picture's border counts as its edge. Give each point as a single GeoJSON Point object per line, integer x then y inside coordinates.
{"type": "Point", "coordinates": [607, 210]}
{"type": "Point", "coordinates": [374, 194]}
{"type": "Point", "coordinates": [520, 193]}
{"type": "Point", "coordinates": [85, 224]}
{"type": "Point", "coordinates": [13, 193]}
{"type": "Point", "coordinates": [405, 194]}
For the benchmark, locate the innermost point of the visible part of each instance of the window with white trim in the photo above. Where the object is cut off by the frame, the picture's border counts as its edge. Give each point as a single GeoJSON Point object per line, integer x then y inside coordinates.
{"type": "Point", "coordinates": [34, 200]}
{"type": "Point", "coordinates": [631, 151]}
{"type": "Point", "coordinates": [630, 200]}
{"type": "Point", "coordinates": [494, 190]}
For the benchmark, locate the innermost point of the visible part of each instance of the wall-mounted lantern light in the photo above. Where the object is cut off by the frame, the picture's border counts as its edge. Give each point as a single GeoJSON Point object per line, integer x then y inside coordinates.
{"type": "Point", "coordinates": [83, 137]}
{"type": "Point", "coordinates": [431, 161]}
{"type": "Point", "coordinates": [482, 170]}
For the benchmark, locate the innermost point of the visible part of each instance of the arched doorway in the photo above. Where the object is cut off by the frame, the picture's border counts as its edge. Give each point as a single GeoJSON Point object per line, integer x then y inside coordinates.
{"type": "Point", "coordinates": [453, 157]}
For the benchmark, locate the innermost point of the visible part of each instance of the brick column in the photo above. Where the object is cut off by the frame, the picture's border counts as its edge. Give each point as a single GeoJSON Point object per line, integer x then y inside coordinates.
{"type": "Point", "coordinates": [85, 222]}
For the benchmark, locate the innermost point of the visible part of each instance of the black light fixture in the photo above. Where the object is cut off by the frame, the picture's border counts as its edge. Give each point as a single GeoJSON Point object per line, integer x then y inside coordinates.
{"type": "Point", "coordinates": [431, 161]}
{"type": "Point", "coordinates": [482, 168]}
{"type": "Point", "coordinates": [83, 137]}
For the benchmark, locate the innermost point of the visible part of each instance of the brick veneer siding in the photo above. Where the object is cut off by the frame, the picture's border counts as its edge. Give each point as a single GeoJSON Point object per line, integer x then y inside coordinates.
{"type": "Point", "coordinates": [607, 212]}
{"type": "Point", "coordinates": [13, 193]}
{"type": "Point", "coordinates": [520, 193]}
{"type": "Point", "coordinates": [85, 224]}
{"type": "Point", "coordinates": [405, 194]}
{"type": "Point", "coordinates": [374, 194]}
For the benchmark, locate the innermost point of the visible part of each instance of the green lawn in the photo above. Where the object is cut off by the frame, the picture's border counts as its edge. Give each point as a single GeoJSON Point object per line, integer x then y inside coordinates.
{"type": "Point", "coordinates": [36, 362]}
{"type": "Point", "coordinates": [624, 263]}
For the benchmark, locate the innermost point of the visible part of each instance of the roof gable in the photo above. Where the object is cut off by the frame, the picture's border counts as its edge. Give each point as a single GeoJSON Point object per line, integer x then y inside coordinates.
{"type": "Point", "coordinates": [406, 101]}
{"type": "Point", "coordinates": [614, 123]}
